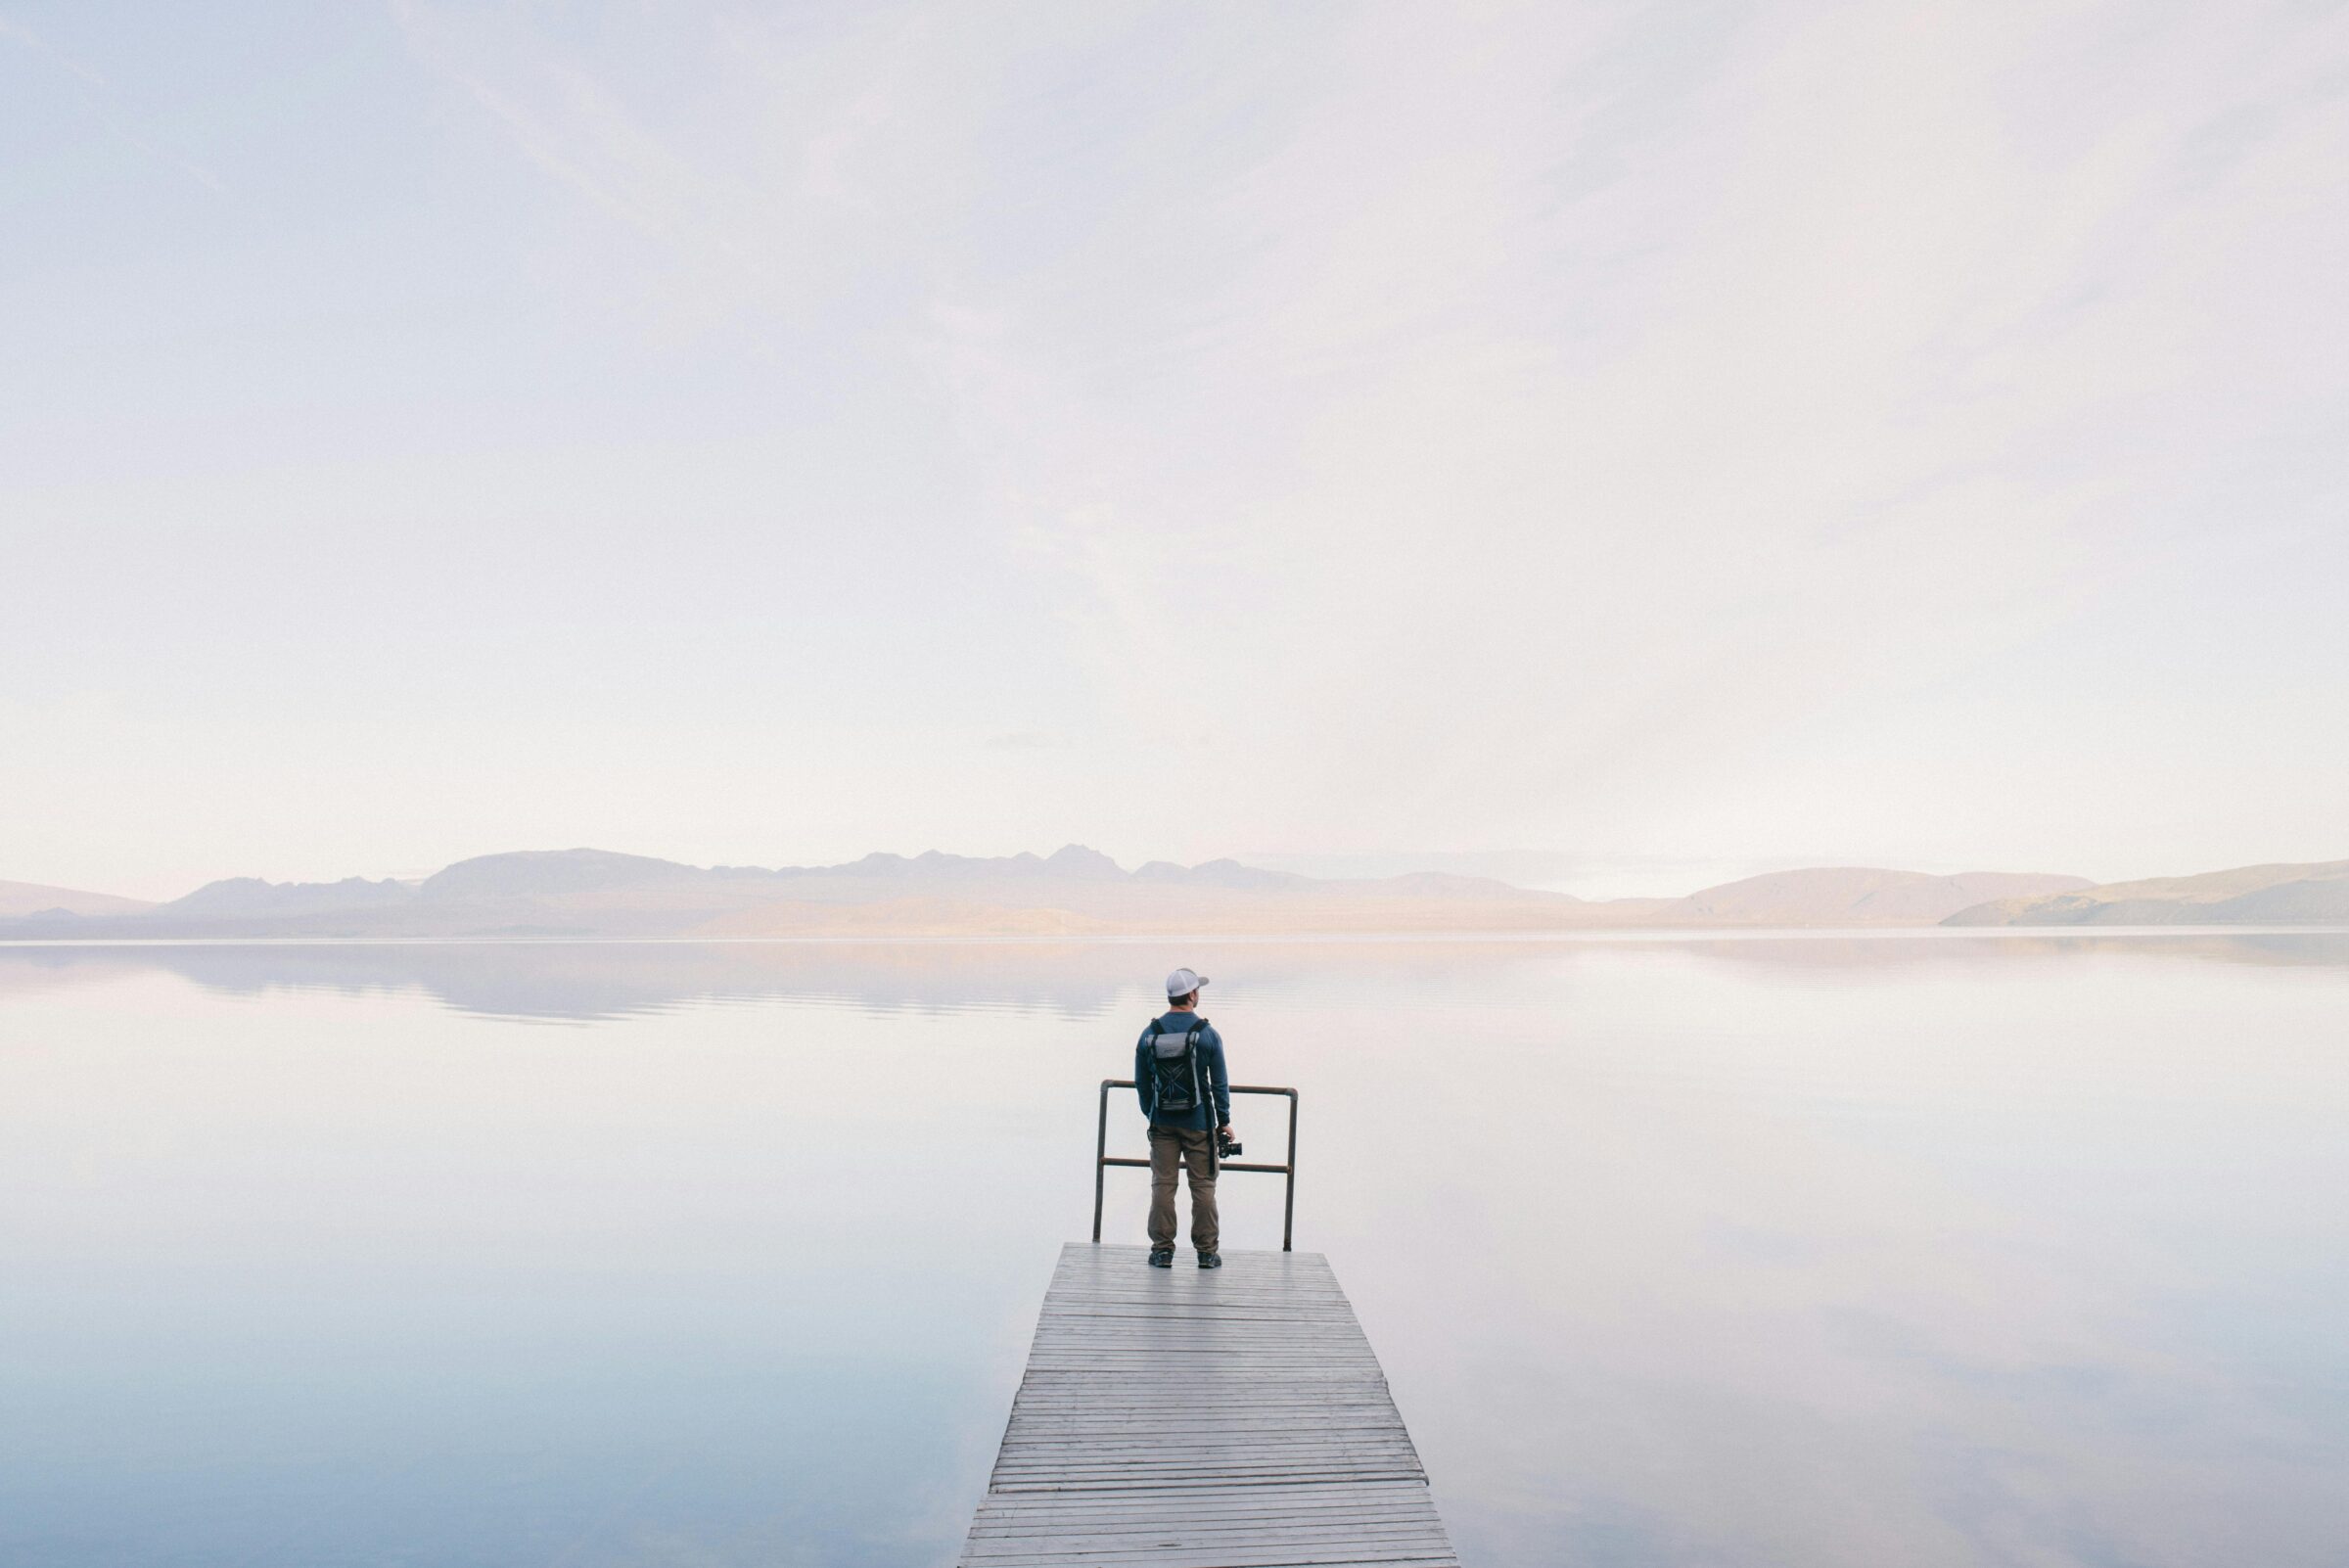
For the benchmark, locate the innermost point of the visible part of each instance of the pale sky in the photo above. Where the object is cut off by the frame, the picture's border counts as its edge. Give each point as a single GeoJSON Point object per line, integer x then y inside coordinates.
{"type": "Point", "coordinates": [1616, 442]}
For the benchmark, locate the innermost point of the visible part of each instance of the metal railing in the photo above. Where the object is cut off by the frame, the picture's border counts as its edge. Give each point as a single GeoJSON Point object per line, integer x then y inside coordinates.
{"type": "Point", "coordinates": [1104, 1158]}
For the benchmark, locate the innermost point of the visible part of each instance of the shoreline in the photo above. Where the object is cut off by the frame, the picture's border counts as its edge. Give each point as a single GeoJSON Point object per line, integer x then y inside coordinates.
{"type": "Point", "coordinates": [1658, 935]}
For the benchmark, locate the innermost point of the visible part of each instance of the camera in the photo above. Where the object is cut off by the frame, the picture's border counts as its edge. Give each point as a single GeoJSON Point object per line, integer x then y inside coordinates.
{"type": "Point", "coordinates": [1227, 1147]}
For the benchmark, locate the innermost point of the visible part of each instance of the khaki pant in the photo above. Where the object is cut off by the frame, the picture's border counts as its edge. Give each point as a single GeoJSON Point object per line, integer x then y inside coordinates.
{"type": "Point", "coordinates": [1197, 1153]}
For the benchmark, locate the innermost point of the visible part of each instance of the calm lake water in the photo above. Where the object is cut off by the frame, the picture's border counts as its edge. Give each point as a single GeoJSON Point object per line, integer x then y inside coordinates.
{"type": "Point", "coordinates": [1815, 1251]}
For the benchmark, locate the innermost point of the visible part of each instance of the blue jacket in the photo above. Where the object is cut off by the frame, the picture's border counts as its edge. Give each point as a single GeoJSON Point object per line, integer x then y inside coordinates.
{"type": "Point", "coordinates": [1210, 1059]}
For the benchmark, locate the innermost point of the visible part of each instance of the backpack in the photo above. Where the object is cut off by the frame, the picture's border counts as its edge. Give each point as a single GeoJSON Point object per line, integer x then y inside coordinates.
{"type": "Point", "coordinates": [1174, 1067]}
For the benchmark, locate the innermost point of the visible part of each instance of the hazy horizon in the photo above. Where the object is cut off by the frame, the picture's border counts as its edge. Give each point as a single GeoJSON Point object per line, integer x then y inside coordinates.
{"type": "Point", "coordinates": [1600, 439]}
{"type": "Point", "coordinates": [1534, 870]}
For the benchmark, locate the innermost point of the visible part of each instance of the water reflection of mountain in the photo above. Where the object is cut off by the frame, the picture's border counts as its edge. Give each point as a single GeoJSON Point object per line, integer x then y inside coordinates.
{"type": "Point", "coordinates": [587, 981]}
{"type": "Point", "coordinates": [1940, 950]}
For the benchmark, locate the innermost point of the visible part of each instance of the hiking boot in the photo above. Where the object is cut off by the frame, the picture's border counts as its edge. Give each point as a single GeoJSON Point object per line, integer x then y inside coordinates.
{"type": "Point", "coordinates": [1162, 1256]}
{"type": "Point", "coordinates": [1210, 1259]}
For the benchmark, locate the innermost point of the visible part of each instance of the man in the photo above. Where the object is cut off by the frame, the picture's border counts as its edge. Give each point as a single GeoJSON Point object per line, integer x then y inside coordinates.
{"type": "Point", "coordinates": [1178, 1072]}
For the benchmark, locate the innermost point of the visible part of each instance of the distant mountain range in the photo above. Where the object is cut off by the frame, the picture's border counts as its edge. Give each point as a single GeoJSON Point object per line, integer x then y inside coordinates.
{"type": "Point", "coordinates": [1078, 891]}
{"type": "Point", "coordinates": [566, 892]}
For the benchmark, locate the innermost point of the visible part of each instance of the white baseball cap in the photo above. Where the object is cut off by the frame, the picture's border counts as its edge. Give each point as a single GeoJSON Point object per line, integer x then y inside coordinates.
{"type": "Point", "coordinates": [1184, 982]}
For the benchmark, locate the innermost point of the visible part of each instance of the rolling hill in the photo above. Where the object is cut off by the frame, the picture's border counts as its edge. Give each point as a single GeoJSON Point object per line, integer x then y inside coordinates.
{"type": "Point", "coordinates": [2309, 893]}
{"type": "Point", "coordinates": [1856, 895]}
{"type": "Point", "coordinates": [20, 899]}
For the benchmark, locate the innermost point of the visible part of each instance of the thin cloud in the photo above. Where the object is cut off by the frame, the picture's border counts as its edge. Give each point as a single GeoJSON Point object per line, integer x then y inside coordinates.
{"type": "Point", "coordinates": [97, 95]}
{"type": "Point", "coordinates": [1878, 434]}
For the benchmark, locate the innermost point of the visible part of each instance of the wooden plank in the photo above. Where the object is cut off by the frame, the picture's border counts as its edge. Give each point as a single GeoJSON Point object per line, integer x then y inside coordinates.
{"type": "Point", "coordinates": [1203, 1419]}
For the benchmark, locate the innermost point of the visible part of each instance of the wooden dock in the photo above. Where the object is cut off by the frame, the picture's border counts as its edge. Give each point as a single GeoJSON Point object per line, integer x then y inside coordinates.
{"type": "Point", "coordinates": [1203, 1419]}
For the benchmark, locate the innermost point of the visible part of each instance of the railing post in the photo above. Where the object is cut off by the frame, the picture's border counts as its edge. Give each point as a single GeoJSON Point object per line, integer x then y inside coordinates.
{"type": "Point", "coordinates": [1288, 1208]}
{"type": "Point", "coordinates": [1100, 1163]}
